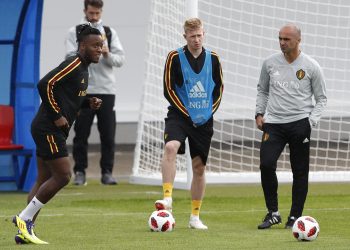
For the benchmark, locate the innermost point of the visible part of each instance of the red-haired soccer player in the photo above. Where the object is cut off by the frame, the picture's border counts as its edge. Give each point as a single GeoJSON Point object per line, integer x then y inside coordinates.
{"type": "Point", "coordinates": [193, 86]}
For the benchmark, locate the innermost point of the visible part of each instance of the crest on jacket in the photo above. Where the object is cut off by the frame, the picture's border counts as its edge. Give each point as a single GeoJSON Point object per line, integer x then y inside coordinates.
{"type": "Point", "coordinates": [300, 74]}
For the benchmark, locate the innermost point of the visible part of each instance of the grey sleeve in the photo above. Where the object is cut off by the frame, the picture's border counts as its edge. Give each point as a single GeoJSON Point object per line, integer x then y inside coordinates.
{"type": "Point", "coordinates": [319, 90]}
{"type": "Point", "coordinates": [263, 90]}
{"type": "Point", "coordinates": [116, 55]}
{"type": "Point", "coordinates": [71, 42]}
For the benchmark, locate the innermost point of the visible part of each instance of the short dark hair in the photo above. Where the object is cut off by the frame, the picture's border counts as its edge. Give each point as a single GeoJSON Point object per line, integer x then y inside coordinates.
{"type": "Point", "coordinates": [94, 3]}
{"type": "Point", "coordinates": [84, 31]}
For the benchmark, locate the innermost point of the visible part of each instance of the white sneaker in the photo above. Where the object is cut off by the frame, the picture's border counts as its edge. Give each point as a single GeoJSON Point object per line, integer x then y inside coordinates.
{"type": "Point", "coordinates": [196, 223]}
{"type": "Point", "coordinates": [164, 205]}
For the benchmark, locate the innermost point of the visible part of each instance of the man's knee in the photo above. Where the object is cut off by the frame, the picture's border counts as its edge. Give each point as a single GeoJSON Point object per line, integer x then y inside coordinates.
{"type": "Point", "coordinates": [267, 168]}
{"type": "Point", "coordinates": [171, 148]}
{"type": "Point", "coordinates": [61, 171]}
{"type": "Point", "coordinates": [198, 166]}
{"type": "Point", "coordinates": [300, 173]}
{"type": "Point", "coordinates": [61, 180]}
{"type": "Point", "coordinates": [267, 164]}
{"type": "Point", "coordinates": [66, 178]}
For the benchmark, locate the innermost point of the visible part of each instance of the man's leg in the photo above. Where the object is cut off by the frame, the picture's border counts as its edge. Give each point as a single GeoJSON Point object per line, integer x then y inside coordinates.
{"type": "Point", "coordinates": [199, 140]}
{"type": "Point", "coordinates": [53, 175]}
{"type": "Point", "coordinates": [198, 180]}
{"type": "Point", "coordinates": [272, 145]}
{"type": "Point", "coordinates": [169, 161]}
{"type": "Point", "coordinates": [106, 124]}
{"type": "Point", "coordinates": [197, 192]}
{"type": "Point", "coordinates": [299, 145]}
{"type": "Point", "coordinates": [168, 174]}
{"type": "Point", "coordinates": [60, 176]}
{"type": "Point", "coordinates": [82, 129]}
{"type": "Point", "coordinates": [44, 174]}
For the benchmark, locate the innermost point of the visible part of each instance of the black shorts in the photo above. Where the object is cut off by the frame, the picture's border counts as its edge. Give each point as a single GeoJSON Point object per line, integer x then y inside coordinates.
{"type": "Point", "coordinates": [179, 128]}
{"type": "Point", "coordinates": [50, 143]}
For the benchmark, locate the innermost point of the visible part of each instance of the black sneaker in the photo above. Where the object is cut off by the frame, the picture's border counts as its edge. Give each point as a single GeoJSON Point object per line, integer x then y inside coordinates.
{"type": "Point", "coordinates": [107, 179]}
{"type": "Point", "coordinates": [270, 220]}
{"type": "Point", "coordinates": [290, 222]}
{"type": "Point", "coordinates": [80, 179]}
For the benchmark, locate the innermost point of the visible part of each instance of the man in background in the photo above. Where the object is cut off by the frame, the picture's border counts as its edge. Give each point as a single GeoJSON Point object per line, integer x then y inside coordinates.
{"type": "Point", "coordinates": [102, 84]}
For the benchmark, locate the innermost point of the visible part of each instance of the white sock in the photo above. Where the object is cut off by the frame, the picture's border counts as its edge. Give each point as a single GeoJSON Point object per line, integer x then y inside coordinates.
{"type": "Point", "coordinates": [194, 217]}
{"type": "Point", "coordinates": [168, 199]}
{"type": "Point", "coordinates": [32, 208]}
{"type": "Point", "coordinates": [276, 213]}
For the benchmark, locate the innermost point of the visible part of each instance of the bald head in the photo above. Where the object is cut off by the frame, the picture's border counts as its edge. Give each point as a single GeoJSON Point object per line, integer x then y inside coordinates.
{"type": "Point", "coordinates": [291, 29]}
{"type": "Point", "coordinates": [289, 38]}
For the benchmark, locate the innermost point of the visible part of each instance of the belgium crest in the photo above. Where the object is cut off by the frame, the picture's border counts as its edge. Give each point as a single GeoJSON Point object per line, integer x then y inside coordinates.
{"type": "Point", "coordinates": [300, 74]}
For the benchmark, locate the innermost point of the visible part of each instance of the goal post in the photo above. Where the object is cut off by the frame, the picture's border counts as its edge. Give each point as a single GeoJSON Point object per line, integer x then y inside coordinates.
{"type": "Point", "coordinates": [244, 33]}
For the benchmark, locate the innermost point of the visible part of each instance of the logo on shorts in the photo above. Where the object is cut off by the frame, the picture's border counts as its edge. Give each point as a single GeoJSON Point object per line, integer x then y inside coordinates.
{"type": "Point", "coordinates": [305, 140]}
{"type": "Point", "coordinates": [82, 93]}
{"type": "Point", "coordinates": [300, 74]}
{"type": "Point", "coordinates": [83, 81]}
{"type": "Point", "coordinates": [265, 136]}
{"type": "Point", "coordinates": [198, 91]}
{"type": "Point", "coordinates": [165, 136]}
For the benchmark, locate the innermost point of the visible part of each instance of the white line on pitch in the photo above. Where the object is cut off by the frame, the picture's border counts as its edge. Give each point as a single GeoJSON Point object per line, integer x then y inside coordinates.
{"type": "Point", "coordinates": [70, 194]}
{"type": "Point", "coordinates": [203, 212]}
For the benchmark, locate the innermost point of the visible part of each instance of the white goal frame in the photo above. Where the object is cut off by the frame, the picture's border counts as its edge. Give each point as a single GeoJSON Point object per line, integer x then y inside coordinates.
{"type": "Point", "coordinates": [243, 33]}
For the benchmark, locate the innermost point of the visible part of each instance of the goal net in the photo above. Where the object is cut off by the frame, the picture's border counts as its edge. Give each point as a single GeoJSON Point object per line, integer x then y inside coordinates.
{"type": "Point", "coordinates": [244, 33]}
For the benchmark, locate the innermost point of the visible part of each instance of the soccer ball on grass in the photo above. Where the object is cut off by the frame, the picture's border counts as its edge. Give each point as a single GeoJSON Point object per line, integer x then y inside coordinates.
{"type": "Point", "coordinates": [161, 221]}
{"type": "Point", "coordinates": [306, 228]}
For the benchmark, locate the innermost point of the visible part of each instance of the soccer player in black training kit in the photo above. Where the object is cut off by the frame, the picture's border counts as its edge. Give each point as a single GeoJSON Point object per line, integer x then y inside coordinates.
{"type": "Point", "coordinates": [63, 93]}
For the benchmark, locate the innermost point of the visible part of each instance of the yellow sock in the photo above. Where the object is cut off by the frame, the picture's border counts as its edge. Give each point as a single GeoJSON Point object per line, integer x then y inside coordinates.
{"type": "Point", "coordinates": [196, 207]}
{"type": "Point", "coordinates": [167, 190]}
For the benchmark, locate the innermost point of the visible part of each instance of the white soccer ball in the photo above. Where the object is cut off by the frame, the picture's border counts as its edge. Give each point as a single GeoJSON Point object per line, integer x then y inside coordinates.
{"type": "Point", "coordinates": [306, 228]}
{"type": "Point", "coordinates": [161, 221]}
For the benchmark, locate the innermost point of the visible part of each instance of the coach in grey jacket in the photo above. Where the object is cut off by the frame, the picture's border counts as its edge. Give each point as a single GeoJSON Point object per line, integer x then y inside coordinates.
{"type": "Point", "coordinates": [285, 113]}
{"type": "Point", "coordinates": [102, 84]}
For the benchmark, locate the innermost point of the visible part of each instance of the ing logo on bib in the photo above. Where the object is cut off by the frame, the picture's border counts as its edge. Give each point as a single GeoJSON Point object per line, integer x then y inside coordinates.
{"type": "Point", "coordinates": [300, 74]}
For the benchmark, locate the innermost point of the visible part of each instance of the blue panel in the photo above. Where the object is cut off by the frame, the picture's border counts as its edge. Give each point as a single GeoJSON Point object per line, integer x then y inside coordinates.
{"type": "Point", "coordinates": [19, 73]}
{"type": "Point", "coordinates": [5, 73]}
{"type": "Point", "coordinates": [5, 170]}
{"type": "Point", "coordinates": [27, 75]}
{"type": "Point", "coordinates": [8, 186]}
{"type": "Point", "coordinates": [10, 11]}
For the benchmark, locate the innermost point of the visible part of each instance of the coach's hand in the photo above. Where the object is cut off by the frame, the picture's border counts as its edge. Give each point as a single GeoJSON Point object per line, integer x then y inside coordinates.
{"type": "Point", "coordinates": [62, 122]}
{"type": "Point", "coordinates": [259, 120]}
{"type": "Point", "coordinates": [95, 103]}
{"type": "Point", "coordinates": [105, 51]}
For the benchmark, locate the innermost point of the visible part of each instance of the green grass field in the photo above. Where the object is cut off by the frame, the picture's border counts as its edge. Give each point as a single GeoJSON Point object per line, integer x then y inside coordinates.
{"type": "Point", "coordinates": [115, 217]}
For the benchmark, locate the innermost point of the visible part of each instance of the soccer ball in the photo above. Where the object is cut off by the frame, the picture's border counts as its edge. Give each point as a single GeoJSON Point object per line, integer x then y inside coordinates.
{"type": "Point", "coordinates": [306, 228]}
{"type": "Point", "coordinates": [161, 221]}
